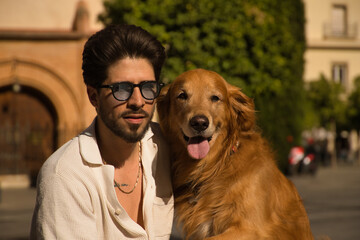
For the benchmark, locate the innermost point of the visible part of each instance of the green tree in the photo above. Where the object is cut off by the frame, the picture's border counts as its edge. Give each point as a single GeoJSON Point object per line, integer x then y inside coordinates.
{"type": "Point", "coordinates": [354, 109]}
{"type": "Point", "coordinates": [257, 45]}
{"type": "Point", "coordinates": [354, 106]}
{"type": "Point", "coordinates": [328, 100]}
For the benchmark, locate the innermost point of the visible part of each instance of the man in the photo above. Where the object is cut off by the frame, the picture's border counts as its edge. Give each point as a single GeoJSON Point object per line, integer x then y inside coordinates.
{"type": "Point", "coordinates": [113, 180]}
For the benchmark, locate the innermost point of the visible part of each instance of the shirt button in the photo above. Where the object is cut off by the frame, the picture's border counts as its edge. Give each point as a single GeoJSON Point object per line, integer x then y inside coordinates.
{"type": "Point", "coordinates": [118, 211]}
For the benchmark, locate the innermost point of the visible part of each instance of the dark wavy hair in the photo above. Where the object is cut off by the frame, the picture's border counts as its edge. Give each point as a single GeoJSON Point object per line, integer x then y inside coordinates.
{"type": "Point", "coordinates": [116, 42]}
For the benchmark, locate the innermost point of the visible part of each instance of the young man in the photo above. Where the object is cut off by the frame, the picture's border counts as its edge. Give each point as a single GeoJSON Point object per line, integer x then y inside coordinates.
{"type": "Point", "coordinates": [113, 180]}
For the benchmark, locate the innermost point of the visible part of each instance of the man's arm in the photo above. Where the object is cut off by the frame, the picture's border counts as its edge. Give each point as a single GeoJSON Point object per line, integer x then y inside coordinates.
{"type": "Point", "coordinates": [63, 210]}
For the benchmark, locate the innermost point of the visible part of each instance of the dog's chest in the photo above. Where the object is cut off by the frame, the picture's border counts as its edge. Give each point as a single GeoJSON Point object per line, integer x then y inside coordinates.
{"type": "Point", "coordinates": [198, 208]}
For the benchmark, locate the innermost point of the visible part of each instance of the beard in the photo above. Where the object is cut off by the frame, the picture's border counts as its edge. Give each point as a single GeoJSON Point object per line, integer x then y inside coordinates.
{"type": "Point", "coordinates": [131, 133]}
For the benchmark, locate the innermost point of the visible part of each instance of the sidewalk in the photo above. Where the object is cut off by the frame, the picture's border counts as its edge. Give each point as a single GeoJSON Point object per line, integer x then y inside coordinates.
{"type": "Point", "coordinates": [331, 198]}
{"type": "Point", "coordinates": [332, 201]}
{"type": "Point", "coordinates": [16, 207]}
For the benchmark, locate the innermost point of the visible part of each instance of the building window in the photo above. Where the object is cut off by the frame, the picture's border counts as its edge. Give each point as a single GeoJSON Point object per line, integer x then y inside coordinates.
{"type": "Point", "coordinates": [338, 26]}
{"type": "Point", "coordinates": [339, 73]}
{"type": "Point", "coordinates": [339, 20]}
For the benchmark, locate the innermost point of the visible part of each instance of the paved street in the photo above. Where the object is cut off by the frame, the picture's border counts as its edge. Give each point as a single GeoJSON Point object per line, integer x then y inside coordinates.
{"type": "Point", "coordinates": [331, 198]}
{"type": "Point", "coordinates": [16, 206]}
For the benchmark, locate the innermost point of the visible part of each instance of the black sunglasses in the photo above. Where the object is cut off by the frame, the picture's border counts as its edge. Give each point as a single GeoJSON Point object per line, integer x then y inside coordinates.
{"type": "Point", "coordinates": [122, 91]}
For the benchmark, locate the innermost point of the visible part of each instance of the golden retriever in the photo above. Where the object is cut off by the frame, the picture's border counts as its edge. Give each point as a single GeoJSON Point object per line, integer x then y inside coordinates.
{"type": "Point", "coordinates": [226, 183]}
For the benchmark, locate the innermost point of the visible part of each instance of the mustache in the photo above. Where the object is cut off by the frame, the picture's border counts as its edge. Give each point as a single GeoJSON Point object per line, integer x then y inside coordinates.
{"type": "Point", "coordinates": [138, 112]}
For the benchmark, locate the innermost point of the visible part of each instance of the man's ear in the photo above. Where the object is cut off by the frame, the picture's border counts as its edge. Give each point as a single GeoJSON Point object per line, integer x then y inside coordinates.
{"type": "Point", "coordinates": [163, 101]}
{"type": "Point", "coordinates": [163, 106]}
{"type": "Point", "coordinates": [163, 92]}
{"type": "Point", "coordinates": [93, 95]}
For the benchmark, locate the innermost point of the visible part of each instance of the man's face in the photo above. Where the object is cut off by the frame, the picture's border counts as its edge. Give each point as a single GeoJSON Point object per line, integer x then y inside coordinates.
{"type": "Point", "coordinates": [127, 119]}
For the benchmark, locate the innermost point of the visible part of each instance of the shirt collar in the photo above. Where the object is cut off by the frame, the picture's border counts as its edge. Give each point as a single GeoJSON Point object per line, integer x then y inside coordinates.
{"type": "Point", "coordinates": [89, 148]}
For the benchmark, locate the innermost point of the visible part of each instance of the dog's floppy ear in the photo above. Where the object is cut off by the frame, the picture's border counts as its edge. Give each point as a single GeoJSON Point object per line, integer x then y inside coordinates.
{"type": "Point", "coordinates": [163, 106]}
{"type": "Point", "coordinates": [242, 108]}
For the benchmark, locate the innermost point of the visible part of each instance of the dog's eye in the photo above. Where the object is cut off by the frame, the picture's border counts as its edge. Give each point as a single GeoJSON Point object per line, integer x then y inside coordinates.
{"type": "Point", "coordinates": [182, 96]}
{"type": "Point", "coordinates": [215, 98]}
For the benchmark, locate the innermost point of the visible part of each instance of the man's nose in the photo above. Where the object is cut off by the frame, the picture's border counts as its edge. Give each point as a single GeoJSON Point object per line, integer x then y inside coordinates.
{"type": "Point", "coordinates": [136, 100]}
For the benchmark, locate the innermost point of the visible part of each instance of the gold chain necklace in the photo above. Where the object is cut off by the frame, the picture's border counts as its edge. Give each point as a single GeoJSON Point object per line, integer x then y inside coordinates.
{"type": "Point", "coordinates": [116, 184]}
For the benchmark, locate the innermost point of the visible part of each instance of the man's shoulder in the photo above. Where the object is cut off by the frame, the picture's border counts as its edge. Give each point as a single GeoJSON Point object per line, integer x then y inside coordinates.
{"type": "Point", "coordinates": [63, 157]}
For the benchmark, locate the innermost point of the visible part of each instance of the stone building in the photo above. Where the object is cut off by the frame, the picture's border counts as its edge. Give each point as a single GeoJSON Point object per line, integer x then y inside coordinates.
{"type": "Point", "coordinates": [43, 100]}
{"type": "Point", "coordinates": [333, 40]}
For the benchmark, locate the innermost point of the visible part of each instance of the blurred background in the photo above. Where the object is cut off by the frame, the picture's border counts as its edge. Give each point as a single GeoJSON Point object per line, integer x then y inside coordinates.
{"type": "Point", "coordinates": [299, 61]}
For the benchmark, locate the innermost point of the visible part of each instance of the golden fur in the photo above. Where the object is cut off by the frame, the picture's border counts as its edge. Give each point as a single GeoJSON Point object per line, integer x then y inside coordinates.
{"type": "Point", "coordinates": [236, 191]}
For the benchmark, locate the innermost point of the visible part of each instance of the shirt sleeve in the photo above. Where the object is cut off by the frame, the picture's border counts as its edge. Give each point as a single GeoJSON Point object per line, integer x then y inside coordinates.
{"type": "Point", "coordinates": [63, 210]}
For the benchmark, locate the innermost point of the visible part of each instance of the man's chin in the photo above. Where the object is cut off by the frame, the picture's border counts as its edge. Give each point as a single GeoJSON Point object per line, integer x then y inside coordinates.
{"type": "Point", "coordinates": [134, 133]}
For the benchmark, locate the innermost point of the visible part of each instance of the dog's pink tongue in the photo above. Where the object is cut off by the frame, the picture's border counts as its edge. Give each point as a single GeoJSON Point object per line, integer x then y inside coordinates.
{"type": "Point", "coordinates": [198, 147]}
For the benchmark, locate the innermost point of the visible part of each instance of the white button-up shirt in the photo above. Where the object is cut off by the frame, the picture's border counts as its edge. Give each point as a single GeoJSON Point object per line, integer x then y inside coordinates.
{"type": "Point", "coordinates": [76, 197]}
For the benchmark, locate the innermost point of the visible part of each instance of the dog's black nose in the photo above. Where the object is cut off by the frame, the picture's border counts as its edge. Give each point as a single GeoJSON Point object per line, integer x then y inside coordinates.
{"type": "Point", "coordinates": [199, 123]}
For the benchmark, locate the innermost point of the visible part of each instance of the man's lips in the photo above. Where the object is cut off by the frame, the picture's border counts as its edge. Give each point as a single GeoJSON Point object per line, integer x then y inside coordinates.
{"type": "Point", "coordinates": [134, 118]}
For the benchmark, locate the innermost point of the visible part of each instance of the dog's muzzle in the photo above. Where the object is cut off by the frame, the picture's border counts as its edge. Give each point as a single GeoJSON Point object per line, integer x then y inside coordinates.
{"type": "Point", "coordinates": [198, 144]}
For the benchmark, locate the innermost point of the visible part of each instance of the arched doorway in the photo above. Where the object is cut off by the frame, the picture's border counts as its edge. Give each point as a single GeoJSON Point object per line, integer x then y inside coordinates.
{"type": "Point", "coordinates": [27, 130]}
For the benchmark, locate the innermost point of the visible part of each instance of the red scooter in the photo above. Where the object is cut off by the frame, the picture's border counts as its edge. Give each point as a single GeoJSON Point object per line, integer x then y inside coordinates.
{"type": "Point", "coordinates": [301, 162]}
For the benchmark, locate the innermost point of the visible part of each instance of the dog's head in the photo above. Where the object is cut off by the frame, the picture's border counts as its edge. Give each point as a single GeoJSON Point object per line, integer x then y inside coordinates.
{"type": "Point", "coordinates": [200, 109]}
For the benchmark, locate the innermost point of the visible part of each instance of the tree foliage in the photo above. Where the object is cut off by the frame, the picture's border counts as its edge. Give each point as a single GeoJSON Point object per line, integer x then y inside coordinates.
{"type": "Point", "coordinates": [354, 106]}
{"type": "Point", "coordinates": [327, 99]}
{"type": "Point", "coordinates": [257, 45]}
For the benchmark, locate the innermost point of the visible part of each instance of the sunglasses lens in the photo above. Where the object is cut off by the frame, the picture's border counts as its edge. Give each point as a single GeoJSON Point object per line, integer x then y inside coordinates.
{"type": "Point", "coordinates": [123, 91]}
{"type": "Point", "coordinates": [150, 90]}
